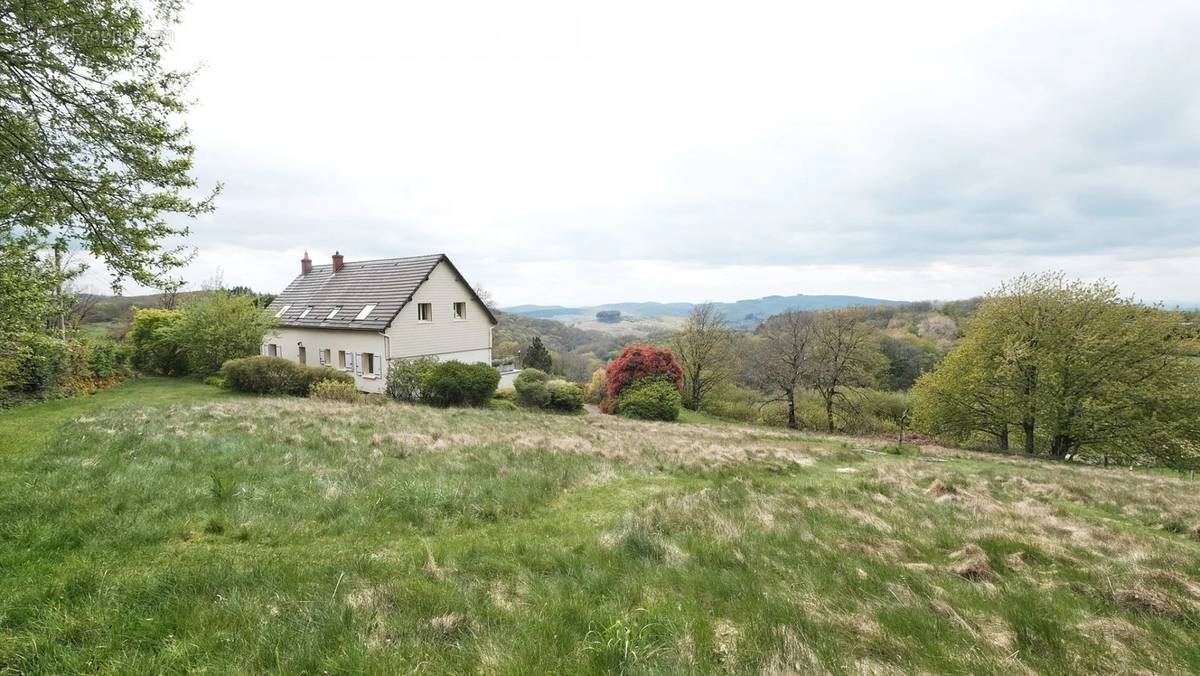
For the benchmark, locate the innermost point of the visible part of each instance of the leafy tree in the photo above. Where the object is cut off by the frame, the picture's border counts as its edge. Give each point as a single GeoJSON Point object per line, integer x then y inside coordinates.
{"type": "Point", "coordinates": [704, 348]}
{"type": "Point", "coordinates": [907, 359]}
{"type": "Point", "coordinates": [966, 395]}
{"type": "Point", "coordinates": [218, 326]}
{"type": "Point", "coordinates": [845, 355]}
{"type": "Point", "coordinates": [92, 147]}
{"type": "Point", "coordinates": [537, 356]}
{"type": "Point", "coordinates": [1077, 368]}
{"type": "Point", "coordinates": [155, 343]}
{"type": "Point", "coordinates": [779, 357]}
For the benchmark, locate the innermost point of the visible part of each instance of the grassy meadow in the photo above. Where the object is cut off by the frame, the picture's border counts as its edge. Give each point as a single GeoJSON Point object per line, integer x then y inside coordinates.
{"type": "Point", "coordinates": [166, 526]}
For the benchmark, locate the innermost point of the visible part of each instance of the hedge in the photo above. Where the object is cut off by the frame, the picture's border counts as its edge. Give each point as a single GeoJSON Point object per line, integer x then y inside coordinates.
{"type": "Point", "coordinates": [454, 383]}
{"type": "Point", "coordinates": [276, 375]}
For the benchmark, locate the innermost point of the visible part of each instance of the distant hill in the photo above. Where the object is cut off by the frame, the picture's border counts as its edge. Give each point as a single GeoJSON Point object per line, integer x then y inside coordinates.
{"type": "Point", "coordinates": [741, 313]}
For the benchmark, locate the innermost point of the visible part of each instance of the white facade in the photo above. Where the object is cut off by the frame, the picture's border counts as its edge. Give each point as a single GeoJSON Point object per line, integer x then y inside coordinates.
{"type": "Point", "coordinates": [443, 320]}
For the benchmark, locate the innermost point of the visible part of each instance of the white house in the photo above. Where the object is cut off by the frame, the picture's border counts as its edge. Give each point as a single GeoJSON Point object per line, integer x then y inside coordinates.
{"type": "Point", "coordinates": [360, 316]}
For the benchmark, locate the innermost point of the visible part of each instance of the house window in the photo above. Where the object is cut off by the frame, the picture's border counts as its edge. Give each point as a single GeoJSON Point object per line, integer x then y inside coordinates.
{"type": "Point", "coordinates": [368, 362]}
{"type": "Point", "coordinates": [365, 312]}
{"type": "Point", "coordinates": [333, 312]}
{"type": "Point", "coordinates": [424, 312]}
{"type": "Point", "coordinates": [282, 310]}
{"type": "Point", "coordinates": [326, 357]}
{"type": "Point", "coordinates": [302, 356]}
{"type": "Point", "coordinates": [273, 350]}
{"type": "Point", "coordinates": [342, 361]}
{"type": "Point", "coordinates": [305, 313]}
{"type": "Point", "coordinates": [460, 311]}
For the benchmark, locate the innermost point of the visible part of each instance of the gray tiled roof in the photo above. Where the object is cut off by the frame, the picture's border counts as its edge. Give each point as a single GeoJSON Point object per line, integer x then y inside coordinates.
{"type": "Point", "coordinates": [389, 283]}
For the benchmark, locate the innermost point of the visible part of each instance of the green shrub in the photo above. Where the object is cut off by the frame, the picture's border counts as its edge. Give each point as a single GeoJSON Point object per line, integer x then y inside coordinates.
{"type": "Point", "coordinates": [531, 388]}
{"type": "Point", "coordinates": [265, 375]}
{"type": "Point", "coordinates": [651, 398]}
{"type": "Point", "coordinates": [216, 381]}
{"type": "Point", "coordinates": [218, 326]}
{"type": "Point", "coordinates": [334, 390]}
{"type": "Point", "coordinates": [498, 404]}
{"type": "Point", "coordinates": [564, 396]}
{"type": "Point", "coordinates": [454, 383]}
{"type": "Point", "coordinates": [405, 376]}
{"type": "Point", "coordinates": [597, 387]}
{"type": "Point", "coordinates": [155, 341]}
{"type": "Point", "coordinates": [38, 362]}
{"type": "Point", "coordinates": [312, 375]}
{"type": "Point", "coordinates": [109, 359]}
{"type": "Point", "coordinates": [506, 393]}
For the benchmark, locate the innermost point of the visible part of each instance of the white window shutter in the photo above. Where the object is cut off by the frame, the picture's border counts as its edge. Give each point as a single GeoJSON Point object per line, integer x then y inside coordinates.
{"type": "Point", "coordinates": [358, 363]}
{"type": "Point", "coordinates": [375, 364]}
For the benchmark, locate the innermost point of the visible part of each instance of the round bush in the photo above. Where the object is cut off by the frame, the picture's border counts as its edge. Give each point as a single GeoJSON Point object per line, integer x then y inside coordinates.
{"type": "Point", "coordinates": [498, 404]}
{"type": "Point", "coordinates": [531, 388]}
{"type": "Point", "coordinates": [454, 383]}
{"type": "Point", "coordinates": [650, 399]}
{"type": "Point", "coordinates": [334, 390]}
{"type": "Point", "coordinates": [564, 396]}
{"type": "Point", "coordinates": [313, 375]}
{"type": "Point", "coordinates": [265, 375]}
{"type": "Point", "coordinates": [404, 378]}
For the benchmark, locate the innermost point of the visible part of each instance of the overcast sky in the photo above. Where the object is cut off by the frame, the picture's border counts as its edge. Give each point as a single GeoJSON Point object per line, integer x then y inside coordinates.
{"type": "Point", "coordinates": [577, 153]}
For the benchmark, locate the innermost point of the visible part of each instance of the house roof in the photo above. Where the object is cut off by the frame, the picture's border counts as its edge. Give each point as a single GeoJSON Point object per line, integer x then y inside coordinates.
{"type": "Point", "coordinates": [387, 283]}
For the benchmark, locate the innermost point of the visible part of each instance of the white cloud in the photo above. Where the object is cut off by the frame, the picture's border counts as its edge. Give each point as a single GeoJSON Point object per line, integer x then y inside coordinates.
{"type": "Point", "coordinates": [588, 152]}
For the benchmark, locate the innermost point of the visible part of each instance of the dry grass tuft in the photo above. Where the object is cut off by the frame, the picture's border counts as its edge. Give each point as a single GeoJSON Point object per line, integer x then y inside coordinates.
{"type": "Point", "coordinates": [447, 627]}
{"type": "Point", "coordinates": [971, 562]}
{"type": "Point", "coordinates": [1146, 601]}
{"type": "Point", "coordinates": [940, 489]}
{"type": "Point", "coordinates": [794, 656]}
{"type": "Point", "coordinates": [725, 636]}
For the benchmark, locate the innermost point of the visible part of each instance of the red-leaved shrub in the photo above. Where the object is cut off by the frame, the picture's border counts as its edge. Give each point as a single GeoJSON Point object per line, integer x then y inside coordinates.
{"type": "Point", "coordinates": [642, 361]}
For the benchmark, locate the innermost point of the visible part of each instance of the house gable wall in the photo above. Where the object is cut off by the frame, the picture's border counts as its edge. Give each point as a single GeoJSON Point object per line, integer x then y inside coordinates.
{"type": "Point", "coordinates": [467, 340]}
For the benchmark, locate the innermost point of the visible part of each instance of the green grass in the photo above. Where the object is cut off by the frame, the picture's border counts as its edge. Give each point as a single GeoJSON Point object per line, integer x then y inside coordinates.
{"type": "Point", "coordinates": [166, 526]}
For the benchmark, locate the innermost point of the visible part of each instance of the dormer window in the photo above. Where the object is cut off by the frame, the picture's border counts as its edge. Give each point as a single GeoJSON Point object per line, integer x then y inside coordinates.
{"type": "Point", "coordinates": [282, 310]}
{"type": "Point", "coordinates": [305, 313]}
{"type": "Point", "coordinates": [365, 312]}
{"type": "Point", "coordinates": [333, 312]}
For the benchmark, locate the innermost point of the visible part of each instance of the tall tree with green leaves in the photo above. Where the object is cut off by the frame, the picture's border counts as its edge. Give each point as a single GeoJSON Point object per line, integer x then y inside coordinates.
{"type": "Point", "coordinates": [1077, 368]}
{"type": "Point", "coordinates": [93, 152]}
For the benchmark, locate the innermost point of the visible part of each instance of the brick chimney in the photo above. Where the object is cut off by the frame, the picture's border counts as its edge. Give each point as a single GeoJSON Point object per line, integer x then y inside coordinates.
{"type": "Point", "coordinates": [305, 264]}
{"type": "Point", "coordinates": [338, 261]}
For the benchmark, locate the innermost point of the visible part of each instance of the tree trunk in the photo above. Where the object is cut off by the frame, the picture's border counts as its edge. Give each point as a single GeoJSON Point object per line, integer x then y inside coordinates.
{"type": "Point", "coordinates": [829, 414]}
{"type": "Point", "coordinates": [1060, 446]}
{"type": "Point", "coordinates": [791, 402]}
{"type": "Point", "coordinates": [1027, 427]}
{"type": "Point", "coordinates": [1002, 438]}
